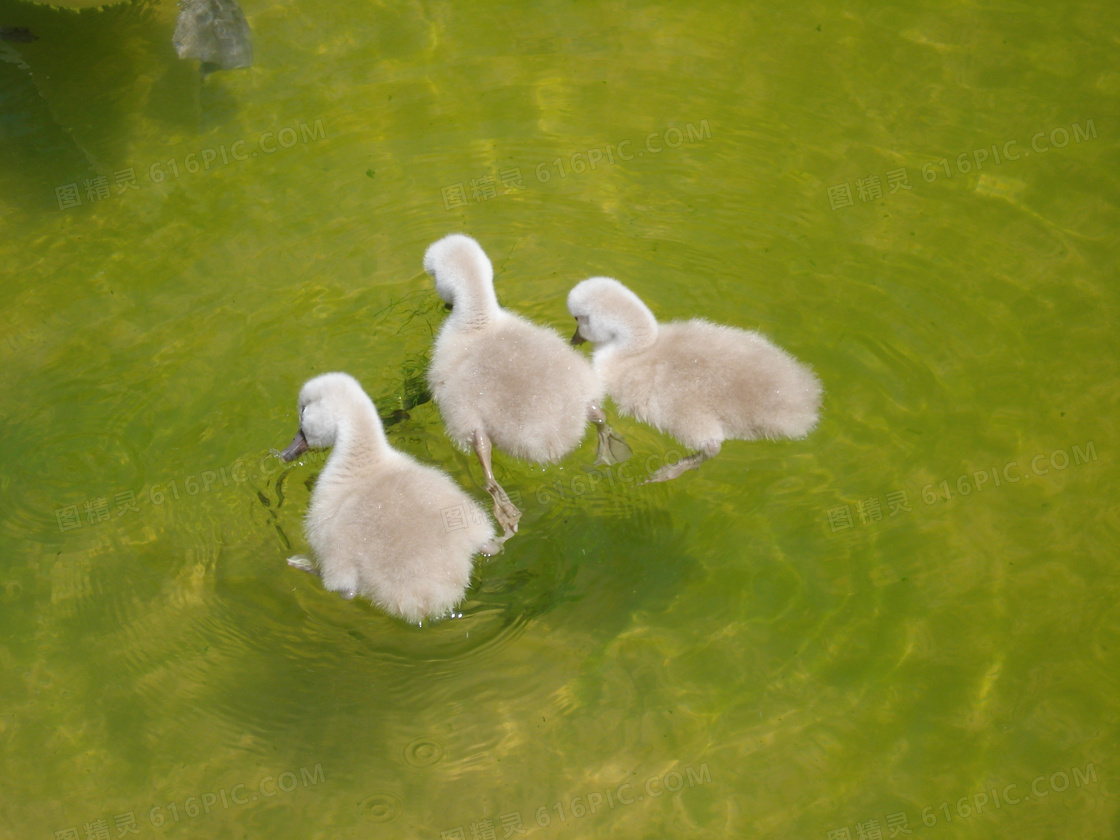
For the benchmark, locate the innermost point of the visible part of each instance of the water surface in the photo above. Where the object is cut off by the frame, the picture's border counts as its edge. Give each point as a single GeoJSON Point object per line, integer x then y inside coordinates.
{"type": "Point", "coordinates": [907, 620]}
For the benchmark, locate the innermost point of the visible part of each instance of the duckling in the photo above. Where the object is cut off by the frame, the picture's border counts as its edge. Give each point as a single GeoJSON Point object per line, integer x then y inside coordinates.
{"type": "Point", "coordinates": [502, 381]}
{"type": "Point", "coordinates": [700, 382]}
{"type": "Point", "coordinates": [381, 524]}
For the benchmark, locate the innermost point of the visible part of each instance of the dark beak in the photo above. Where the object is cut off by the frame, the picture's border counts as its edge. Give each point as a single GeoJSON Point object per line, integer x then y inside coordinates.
{"type": "Point", "coordinates": [296, 448]}
{"type": "Point", "coordinates": [448, 307]}
{"type": "Point", "coordinates": [577, 339]}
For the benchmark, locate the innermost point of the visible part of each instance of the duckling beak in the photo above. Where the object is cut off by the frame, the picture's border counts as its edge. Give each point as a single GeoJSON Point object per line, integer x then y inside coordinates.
{"type": "Point", "coordinates": [577, 339]}
{"type": "Point", "coordinates": [296, 448]}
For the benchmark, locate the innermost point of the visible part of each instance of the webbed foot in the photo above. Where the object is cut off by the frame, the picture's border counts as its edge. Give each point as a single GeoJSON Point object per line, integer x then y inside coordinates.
{"type": "Point", "coordinates": [688, 462]}
{"type": "Point", "coordinates": [612, 448]}
{"type": "Point", "coordinates": [304, 564]}
{"type": "Point", "coordinates": [505, 511]}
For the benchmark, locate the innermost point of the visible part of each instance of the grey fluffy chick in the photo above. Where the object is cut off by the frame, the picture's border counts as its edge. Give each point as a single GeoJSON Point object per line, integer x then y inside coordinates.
{"type": "Point", "coordinates": [380, 522]}
{"type": "Point", "coordinates": [700, 382]}
{"type": "Point", "coordinates": [500, 380]}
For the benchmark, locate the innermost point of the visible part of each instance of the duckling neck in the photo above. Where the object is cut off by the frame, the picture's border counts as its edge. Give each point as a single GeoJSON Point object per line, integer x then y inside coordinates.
{"type": "Point", "coordinates": [475, 305]}
{"type": "Point", "coordinates": [359, 443]}
{"type": "Point", "coordinates": [634, 335]}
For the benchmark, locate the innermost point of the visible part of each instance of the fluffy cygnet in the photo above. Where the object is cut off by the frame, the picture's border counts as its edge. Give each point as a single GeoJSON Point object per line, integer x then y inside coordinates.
{"type": "Point", "coordinates": [501, 380]}
{"type": "Point", "coordinates": [700, 382]}
{"type": "Point", "coordinates": [380, 523]}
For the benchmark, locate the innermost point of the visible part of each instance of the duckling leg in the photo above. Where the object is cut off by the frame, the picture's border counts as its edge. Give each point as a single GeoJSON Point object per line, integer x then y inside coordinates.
{"type": "Point", "coordinates": [688, 462]}
{"type": "Point", "coordinates": [612, 448]}
{"type": "Point", "coordinates": [304, 564]}
{"type": "Point", "coordinates": [505, 511]}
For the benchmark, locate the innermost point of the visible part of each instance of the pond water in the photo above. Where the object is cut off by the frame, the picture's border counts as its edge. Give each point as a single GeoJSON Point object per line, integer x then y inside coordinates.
{"type": "Point", "coordinates": [906, 622]}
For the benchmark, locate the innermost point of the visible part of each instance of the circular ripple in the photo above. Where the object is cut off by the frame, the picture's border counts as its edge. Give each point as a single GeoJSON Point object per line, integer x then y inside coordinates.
{"type": "Point", "coordinates": [380, 807]}
{"type": "Point", "coordinates": [423, 752]}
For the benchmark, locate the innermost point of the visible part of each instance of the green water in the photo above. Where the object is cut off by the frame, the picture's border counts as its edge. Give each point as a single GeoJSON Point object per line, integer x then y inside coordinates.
{"type": "Point", "coordinates": [911, 615]}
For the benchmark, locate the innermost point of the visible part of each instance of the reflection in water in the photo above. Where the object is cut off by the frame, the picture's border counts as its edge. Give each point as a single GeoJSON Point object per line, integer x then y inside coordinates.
{"type": "Point", "coordinates": [19, 34]}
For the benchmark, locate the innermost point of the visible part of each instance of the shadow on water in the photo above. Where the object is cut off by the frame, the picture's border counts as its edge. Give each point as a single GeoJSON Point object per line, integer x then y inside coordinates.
{"type": "Point", "coordinates": [570, 551]}
{"type": "Point", "coordinates": [75, 83]}
{"type": "Point", "coordinates": [578, 575]}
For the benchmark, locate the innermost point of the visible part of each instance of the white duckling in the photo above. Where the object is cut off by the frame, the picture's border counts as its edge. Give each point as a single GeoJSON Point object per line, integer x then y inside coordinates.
{"type": "Point", "coordinates": [381, 524]}
{"type": "Point", "coordinates": [700, 382]}
{"type": "Point", "coordinates": [501, 380]}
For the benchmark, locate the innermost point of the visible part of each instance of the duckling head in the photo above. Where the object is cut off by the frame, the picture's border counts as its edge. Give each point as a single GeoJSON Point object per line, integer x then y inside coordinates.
{"type": "Point", "coordinates": [328, 405]}
{"type": "Point", "coordinates": [609, 314]}
{"type": "Point", "coordinates": [463, 275]}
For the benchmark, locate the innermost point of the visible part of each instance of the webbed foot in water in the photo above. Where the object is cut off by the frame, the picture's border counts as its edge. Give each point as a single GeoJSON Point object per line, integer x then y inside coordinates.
{"type": "Point", "coordinates": [304, 564]}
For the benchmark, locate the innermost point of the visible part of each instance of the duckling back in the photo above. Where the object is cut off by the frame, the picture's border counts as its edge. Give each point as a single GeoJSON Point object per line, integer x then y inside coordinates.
{"type": "Point", "coordinates": [401, 534]}
{"type": "Point", "coordinates": [702, 382]}
{"type": "Point", "coordinates": [496, 372]}
{"type": "Point", "coordinates": [380, 523]}
{"type": "Point", "coordinates": [519, 383]}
